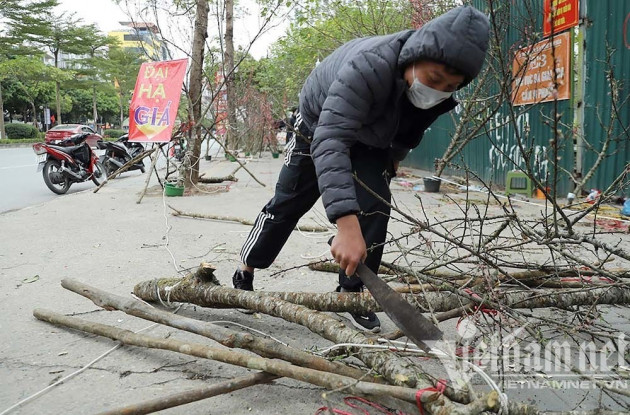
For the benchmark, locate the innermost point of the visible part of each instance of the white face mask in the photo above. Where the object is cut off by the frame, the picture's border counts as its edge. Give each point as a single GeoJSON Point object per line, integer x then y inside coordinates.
{"type": "Point", "coordinates": [424, 97]}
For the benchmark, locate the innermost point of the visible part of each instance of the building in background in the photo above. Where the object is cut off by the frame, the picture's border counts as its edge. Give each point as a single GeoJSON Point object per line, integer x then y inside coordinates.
{"type": "Point", "coordinates": [65, 60]}
{"type": "Point", "coordinates": [143, 38]}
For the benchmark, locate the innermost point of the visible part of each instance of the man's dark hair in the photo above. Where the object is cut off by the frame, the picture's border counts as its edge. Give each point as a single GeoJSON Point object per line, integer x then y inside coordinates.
{"type": "Point", "coordinates": [449, 69]}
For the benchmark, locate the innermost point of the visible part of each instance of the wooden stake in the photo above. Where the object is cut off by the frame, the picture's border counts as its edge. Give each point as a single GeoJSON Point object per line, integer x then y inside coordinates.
{"type": "Point", "coordinates": [146, 184]}
{"type": "Point", "coordinates": [192, 395]}
{"type": "Point", "coordinates": [125, 167]}
{"type": "Point", "coordinates": [239, 162]}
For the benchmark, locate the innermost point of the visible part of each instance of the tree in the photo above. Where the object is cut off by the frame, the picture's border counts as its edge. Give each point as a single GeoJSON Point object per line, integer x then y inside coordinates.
{"type": "Point", "coordinates": [64, 34]}
{"type": "Point", "coordinates": [33, 78]}
{"type": "Point", "coordinates": [319, 28]}
{"type": "Point", "coordinates": [196, 85]}
{"type": "Point", "coordinates": [122, 66]}
{"type": "Point", "coordinates": [93, 67]}
{"type": "Point", "coordinates": [24, 21]}
{"type": "Point", "coordinates": [82, 104]}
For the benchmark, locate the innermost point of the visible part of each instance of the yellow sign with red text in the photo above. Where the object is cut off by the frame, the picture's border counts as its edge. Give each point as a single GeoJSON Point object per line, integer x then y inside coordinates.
{"type": "Point", "coordinates": [533, 78]}
{"type": "Point", "coordinates": [153, 108]}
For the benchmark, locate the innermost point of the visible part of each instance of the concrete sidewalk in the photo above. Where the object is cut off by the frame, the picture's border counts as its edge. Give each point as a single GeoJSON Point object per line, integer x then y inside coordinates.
{"type": "Point", "coordinates": [108, 241]}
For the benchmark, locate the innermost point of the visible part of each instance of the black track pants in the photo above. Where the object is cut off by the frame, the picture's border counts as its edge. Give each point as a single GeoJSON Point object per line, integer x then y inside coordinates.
{"type": "Point", "coordinates": [297, 191]}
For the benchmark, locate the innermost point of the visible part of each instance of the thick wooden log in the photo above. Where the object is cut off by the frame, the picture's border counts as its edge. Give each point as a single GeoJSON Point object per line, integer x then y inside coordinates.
{"type": "Point", "coordinates": [395, 370]}
{"type": "Point", "coordinates": [192, 395]}
{"type": "Point", "coordinates": [535, 278]}
{"type": "Point", "coordinates": [432, 402]}
{"type": "Point", "coordinates": [229, 338]}
{"type": "Point", "coordinates": [212, 180]}
{"type": "Point", "coordinates": [217, 296]}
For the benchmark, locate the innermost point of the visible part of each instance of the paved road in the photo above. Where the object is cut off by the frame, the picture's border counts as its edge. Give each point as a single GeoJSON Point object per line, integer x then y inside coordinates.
{"type": "Point", "coordinates": [21, 185]}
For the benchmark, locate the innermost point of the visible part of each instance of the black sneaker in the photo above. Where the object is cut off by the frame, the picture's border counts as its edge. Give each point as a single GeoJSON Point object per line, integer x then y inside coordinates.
{"type": "Point", "coordinates": [243, 280]}
{"type": "Point", "coordinates": [368, 321]}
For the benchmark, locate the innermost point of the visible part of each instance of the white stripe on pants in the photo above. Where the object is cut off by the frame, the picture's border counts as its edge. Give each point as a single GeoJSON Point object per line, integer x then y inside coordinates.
{"type": "Point", "coordinates": [253, 236]}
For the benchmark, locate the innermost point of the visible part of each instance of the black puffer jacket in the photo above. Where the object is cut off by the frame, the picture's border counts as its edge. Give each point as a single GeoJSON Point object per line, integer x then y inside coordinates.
{"type": "Point", "coordinates": [358, 94]}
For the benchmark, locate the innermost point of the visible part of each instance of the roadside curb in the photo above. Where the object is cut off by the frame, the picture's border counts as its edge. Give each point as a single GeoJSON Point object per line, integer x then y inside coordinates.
{"type": "Point", "coordinates": [19, 145]}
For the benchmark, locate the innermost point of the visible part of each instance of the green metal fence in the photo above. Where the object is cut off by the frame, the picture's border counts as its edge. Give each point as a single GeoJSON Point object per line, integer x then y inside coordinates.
{"type": "Point", "coordinates": [608, 30]}
{"type": "Point", "coordinates": [495, 151]}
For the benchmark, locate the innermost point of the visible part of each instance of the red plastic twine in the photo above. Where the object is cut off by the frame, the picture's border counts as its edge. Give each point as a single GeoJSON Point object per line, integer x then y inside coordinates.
{"type": "Point", "coordinates": [482, 308]}
{"type": "Point", "coordinates": [439, 388]}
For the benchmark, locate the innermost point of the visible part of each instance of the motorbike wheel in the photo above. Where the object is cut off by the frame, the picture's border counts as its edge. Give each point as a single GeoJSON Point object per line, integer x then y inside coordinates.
{"type": "Point", "coordinates": [100, 174]}
{"type": "Point", "coordinates": [109, 167]}
{"type": "Point", "coordinates": [54, 166]}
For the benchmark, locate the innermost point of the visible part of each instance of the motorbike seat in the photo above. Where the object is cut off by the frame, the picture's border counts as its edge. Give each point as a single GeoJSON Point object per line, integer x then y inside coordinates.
{"type": "Point", "coordinates": [120, 146]}
{"type": "Point", "coordinates": [66, 149]}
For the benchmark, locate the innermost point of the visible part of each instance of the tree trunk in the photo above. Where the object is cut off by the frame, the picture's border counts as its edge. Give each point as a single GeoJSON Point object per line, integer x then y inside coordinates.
{"type": "Point", "coordinates": [94, 113]}
{"type": "Point", "coordinates": [57, 87]}
{"type": "Point", "coordinates": [217, 296]}
{"type": "Point", "coordinates": [58, 102]}
{"type": "Point", "coordinates": [228, 71]}
{"type": "Point", "coordinates": [196, 87]}
{"type": "Point", "coordinates": [3, 134]}
{"type": "Point", "coordinates": [34, 109]}
{"type": "Point", "coordinates": [394, 369]}
{"type": "Point", "coordinates": [122, 117]}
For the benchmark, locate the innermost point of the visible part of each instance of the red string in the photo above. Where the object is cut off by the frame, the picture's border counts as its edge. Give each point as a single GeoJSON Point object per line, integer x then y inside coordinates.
{"type": "Point", "coordinates": [482, 308]}
{"type": "Point", "coordinates": [347, 400]}
{"type": "Point", "coordinates": [460, 351]}
{"type": "Point", "coordinates": [439, 388]}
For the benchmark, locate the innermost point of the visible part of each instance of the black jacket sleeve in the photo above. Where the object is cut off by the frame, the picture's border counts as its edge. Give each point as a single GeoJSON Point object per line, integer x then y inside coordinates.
{"type": "Point", "coordinates": [361, 82]}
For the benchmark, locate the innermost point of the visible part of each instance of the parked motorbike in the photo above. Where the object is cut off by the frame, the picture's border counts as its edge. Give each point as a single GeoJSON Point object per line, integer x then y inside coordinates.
{"type": "Point", "coordinates": [118, 153]}
{"type": "Point", "coordinates": [70, 161]}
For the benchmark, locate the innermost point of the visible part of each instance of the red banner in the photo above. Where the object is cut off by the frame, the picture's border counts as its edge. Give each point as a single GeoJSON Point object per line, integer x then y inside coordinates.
{"type": "Point", "coordinates": [153, 108]}
{"type": "Point", "coordinates": [562, 13]}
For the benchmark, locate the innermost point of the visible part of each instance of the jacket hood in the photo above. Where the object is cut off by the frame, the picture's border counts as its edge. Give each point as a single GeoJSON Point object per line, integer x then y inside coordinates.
{"type": "Point", "coordinates": [458, 38]}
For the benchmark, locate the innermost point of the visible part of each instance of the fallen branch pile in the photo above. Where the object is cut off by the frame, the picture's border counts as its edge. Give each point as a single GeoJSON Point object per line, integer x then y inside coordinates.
{"type": "Point", "coordinates": [517, 285]}
{"type": "Point", "coordinates": [287, 361]}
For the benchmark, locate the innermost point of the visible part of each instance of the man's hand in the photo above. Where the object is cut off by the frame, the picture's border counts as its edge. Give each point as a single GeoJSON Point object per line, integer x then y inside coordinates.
{"type": "Point", "coordinates": [348, 247]}
{"type": "Point", "coordinates": [396, 164]}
